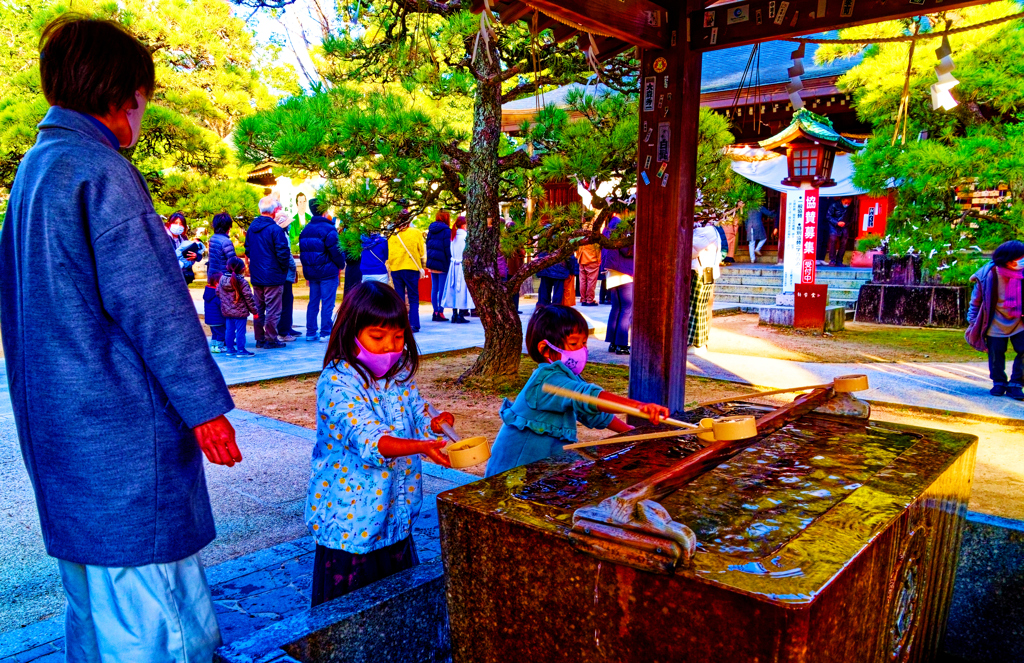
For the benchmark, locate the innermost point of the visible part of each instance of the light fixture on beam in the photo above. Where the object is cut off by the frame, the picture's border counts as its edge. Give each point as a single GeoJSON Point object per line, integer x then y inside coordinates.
{"type": "Point", "coordinates": [941, 98]}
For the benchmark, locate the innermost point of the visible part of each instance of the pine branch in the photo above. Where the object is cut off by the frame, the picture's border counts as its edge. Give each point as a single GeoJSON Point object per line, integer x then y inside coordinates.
{"type": "Point", "coordinates": [518, 159]}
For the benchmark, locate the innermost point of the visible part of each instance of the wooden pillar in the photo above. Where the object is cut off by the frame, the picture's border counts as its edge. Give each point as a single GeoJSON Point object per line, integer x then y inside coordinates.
{"type": "Point", "coordinates": [664, 223]}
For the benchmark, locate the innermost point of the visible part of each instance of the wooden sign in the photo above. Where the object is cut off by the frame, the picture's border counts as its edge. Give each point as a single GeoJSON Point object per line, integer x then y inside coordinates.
{"type": "Point", "coordinates": [809, 303]}
{"type": "Point", "coordinates": [809, 262]}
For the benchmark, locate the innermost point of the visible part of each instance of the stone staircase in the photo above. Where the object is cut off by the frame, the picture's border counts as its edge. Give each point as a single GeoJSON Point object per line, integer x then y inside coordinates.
{"type": "Point", "coordinates": [754, 285]}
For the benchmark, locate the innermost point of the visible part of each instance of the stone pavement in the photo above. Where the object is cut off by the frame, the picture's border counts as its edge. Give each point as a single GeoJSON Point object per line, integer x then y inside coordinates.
{"type": "Point", "coordinates": [948, 387]}
{"type": "Point", "coordinates": [256, 589]}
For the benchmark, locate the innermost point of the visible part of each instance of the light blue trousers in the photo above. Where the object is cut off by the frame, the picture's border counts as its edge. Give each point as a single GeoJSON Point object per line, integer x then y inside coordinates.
{"type": "Point", "coordinates": [159, 613]}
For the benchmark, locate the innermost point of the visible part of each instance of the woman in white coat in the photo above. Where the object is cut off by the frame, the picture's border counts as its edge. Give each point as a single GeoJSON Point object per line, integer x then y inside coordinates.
{"type": "Point", "coordinates": [456, 293]}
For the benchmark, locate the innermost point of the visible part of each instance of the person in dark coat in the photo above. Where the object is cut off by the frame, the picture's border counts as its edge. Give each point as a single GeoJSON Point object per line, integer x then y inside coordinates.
{"type": "Point", "coordinates": [756, 233]}
{"type": "Point", "coordinates": [269, 256]}
{"type": "Point", "coordinates": [220, 251]}
{"type": "Point", "coordinates": [994, 322]}
{"type": "Point", "coordinates": [552, 281]}
{"type": "Point", "coordinates": [439, 258]}
{"type": "Point", "coordinates": [618, 264]}
{"type": "Point", "coordinates": [838, 219]}
{"type": "Point", "coordinates": [322, 260]}
{"type": "Point", "coordinates": [115, 394]}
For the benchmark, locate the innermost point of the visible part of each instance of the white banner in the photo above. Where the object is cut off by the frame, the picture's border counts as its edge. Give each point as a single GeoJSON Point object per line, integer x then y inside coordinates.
{"type": "Point", "coordinates": [794, 252]}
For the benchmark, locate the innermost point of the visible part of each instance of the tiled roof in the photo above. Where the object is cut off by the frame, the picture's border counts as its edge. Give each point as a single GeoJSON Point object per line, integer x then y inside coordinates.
{"type": "Point", "coordinates": [722, 70]}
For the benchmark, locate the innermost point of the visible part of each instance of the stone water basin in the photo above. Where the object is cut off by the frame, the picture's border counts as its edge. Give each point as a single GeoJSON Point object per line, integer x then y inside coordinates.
{"type": "Point", "coordinates": [832, 539]}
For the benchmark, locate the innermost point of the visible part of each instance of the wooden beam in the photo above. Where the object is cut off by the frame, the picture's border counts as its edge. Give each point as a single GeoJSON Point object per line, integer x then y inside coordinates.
{"type": "Point", "coordinates": [638, 22]}
{"type": "Point", "coordinates": [664, 220]}
{"type": "Point", "coordinates": [710, 28]}
{"type": "Point", "coordinates": [514, 12]}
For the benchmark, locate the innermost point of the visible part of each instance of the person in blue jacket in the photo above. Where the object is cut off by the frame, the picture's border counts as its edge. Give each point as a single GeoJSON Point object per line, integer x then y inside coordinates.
{"type": "Point", "coordinates": [322, 261]}
{"type": "Point", "coordinates": [374, 259]}
{"type": "Point", "coordinates": [115, 395]}
{"type": "Point", "coordinates": [270, 256]}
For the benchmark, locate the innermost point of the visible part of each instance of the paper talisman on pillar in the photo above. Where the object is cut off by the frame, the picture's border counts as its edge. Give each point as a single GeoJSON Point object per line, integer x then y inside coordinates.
{"type": "Point", "coordinates": [664, 141]}
{"type": "Point", "coordinates": [650, 89]}
{"type": "Point", "coordinates": [809, 302]}
{"type": "Point", "coordinates": [793, 258]}
{"type": "Point", "coordinates": [808, 266]}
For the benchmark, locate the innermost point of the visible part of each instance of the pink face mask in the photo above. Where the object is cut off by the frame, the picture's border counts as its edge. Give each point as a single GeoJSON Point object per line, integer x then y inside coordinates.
{"type": "Point", "coordinates": [574, 360]}
{"type": "Point", "coordinates": [379, 364]}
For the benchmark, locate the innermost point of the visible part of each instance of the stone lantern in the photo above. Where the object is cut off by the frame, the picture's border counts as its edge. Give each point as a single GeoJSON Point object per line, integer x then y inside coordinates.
{"type": "Point", "coordinates": [810, 145]}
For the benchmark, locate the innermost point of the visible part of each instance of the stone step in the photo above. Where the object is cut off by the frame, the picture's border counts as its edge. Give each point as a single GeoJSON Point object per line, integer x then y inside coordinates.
{"type": "Point", "coordinates": [748, 289]}
{"type": "Point", "coordinates": [733, 278]}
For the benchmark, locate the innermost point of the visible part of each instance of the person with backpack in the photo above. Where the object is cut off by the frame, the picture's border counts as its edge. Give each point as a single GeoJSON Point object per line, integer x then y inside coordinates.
{"type": "Point", "coordinates": [407, 261]}
{"type": "Point", "coordinates": [439, 259]}
{"type": "Point", "coordinates": [236, 303]}
{"type": "Point", "coordinates": [322, 261]}
{"type": "Point", "coordinates": [373, 261]}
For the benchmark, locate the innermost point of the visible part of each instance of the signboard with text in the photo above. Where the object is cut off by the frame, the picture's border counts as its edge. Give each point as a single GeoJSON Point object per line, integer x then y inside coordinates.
{"type": "Point", "coordinates": [794, 254]}
{"type": "Point", "coordinates": [809, 304]}
{"type": "Point", "coordinates": [808, 264]}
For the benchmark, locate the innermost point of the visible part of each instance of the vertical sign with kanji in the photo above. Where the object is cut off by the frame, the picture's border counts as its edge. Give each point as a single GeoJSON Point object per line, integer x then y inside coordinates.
{"type": "Point", "coordinates": [810, 237]}
{"type": "Point", "coordinates": [794, 254]}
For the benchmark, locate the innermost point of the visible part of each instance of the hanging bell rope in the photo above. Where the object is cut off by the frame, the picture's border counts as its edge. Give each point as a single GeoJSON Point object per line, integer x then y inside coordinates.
{"type": "Point", "coordinates": [903, 113]}
{"type": "Point", "coordinates": [486, 21]}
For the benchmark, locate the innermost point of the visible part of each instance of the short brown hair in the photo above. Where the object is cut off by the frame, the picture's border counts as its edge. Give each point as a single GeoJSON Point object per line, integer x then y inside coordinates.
{"type": "Point", "coordinates": [89, 65]}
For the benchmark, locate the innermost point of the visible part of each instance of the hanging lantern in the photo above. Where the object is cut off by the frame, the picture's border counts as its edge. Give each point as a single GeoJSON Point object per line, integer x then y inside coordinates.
{"type": "Point", "coordinates": [810, 145]}
{"type": "Point", "coordinates": [941, 98]}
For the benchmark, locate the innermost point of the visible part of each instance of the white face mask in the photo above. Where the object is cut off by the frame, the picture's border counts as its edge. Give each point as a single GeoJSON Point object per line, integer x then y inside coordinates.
{"type": "Point", "coordinates": [135, 120]}
{"type": "Point", "coordinates": [177, 229]}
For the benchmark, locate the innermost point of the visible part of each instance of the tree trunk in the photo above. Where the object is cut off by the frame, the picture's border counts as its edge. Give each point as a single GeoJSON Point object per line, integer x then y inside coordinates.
{"type": "Point", "coordinates": [503, 334]}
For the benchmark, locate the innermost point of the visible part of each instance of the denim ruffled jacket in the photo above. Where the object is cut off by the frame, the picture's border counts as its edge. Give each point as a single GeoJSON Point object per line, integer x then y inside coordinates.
{"type": "Point", "coordinates": [548, 414]}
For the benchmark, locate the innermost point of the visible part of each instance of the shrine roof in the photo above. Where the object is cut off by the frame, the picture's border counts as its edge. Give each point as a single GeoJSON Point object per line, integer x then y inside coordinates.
{"type": "Point", "coordinates": [815, 126]}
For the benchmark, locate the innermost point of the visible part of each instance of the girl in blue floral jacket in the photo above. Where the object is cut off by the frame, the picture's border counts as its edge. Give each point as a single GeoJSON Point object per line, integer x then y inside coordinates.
{"type": "Point", "coordinates": [366, 487]}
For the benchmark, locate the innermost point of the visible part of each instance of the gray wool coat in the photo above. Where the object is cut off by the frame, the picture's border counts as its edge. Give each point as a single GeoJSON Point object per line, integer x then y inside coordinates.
{"type": "Point", "coordinates": [108, 367]}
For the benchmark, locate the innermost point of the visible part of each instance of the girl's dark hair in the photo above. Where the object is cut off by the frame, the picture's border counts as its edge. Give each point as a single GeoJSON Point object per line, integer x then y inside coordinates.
{"type": "Point", "coordinates": [236, 267]}
{"type": "Point", "coordinates": [459, 223]}
{"type": "Point", "coordinates": [553, 324]}
{"type": "Point", "coordinates": [88, 65]}
{"type": "Point", "coordinates": [371, 304]}
{"type": "Point", "coordinates": [222, 223]}
{"type": "Point", "coordinates": [1008, 252]}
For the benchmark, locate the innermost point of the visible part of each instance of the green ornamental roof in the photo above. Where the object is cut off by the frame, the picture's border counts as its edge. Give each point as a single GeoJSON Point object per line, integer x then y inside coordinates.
{"type": "Point", "coordinates": [810, 125]}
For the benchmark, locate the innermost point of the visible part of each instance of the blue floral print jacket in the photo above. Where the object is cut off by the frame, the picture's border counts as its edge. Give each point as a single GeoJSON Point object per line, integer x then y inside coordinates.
{"type": "Point", "coordinates": [359, 501]}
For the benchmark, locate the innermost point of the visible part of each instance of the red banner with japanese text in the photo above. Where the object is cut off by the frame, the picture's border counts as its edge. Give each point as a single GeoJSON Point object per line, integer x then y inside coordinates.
{"type": "Point", "coordinates": [808, 264]}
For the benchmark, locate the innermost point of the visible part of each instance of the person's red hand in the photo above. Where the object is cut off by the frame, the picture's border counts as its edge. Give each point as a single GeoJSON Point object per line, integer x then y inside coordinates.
{"type": "Point", "coordinates": [842, 224]}
{"type": "Point", "coordinates": [190, 255]}
{"type": "Point", "coordinates": [433, 452]}
{"type": "Point", "coordinates": [441, 419]}
{"type": "Point", "coordinates": [217, 440]}
{"type": "Point", "coordinates": [654, 412]}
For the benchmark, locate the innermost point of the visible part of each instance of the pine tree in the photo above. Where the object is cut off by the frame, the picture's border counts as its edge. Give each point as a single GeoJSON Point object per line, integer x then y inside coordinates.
{"type": "Point", "coordinates": [392, 129]}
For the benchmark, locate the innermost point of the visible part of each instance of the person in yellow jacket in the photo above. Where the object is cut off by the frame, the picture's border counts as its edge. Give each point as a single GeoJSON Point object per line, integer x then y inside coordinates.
{"type": "Point", "coordinates": [407, 260]}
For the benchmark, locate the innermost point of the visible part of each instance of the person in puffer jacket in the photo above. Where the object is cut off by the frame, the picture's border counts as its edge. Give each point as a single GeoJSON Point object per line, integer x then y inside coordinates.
{"type": "Point", "coordinates": [236, 302]}
{"type": "Point", "coordinates": [322, 260]}
{"type": "Point", "coordinates": [439, 259]}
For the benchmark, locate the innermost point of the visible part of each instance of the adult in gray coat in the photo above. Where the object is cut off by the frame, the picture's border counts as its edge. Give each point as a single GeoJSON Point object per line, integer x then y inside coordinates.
{"type": "Point", "coordinates": [112, 417]}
